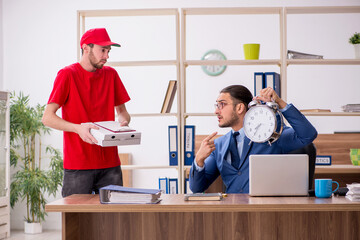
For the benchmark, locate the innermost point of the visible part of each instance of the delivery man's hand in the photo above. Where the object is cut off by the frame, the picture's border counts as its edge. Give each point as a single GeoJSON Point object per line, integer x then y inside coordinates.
{"type": "Point", "coordinates": [83, 130]}
{"type": "Point", "coordinates": [124, 123]}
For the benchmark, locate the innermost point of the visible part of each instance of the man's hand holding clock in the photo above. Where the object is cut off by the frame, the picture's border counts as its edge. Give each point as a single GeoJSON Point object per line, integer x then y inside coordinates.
{"type": "Point", "coordinates": [268, 94]}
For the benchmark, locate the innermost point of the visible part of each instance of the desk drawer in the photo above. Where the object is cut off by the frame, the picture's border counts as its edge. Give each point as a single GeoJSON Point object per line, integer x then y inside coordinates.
{"type": "Point", "coordinates": [4, 219]}
{"type": "Point", "coordinates": [4, 210]}
{"type": "Point", "coordinates": [4, 224]}
{"type": "Point", "coordinates": [4, 231]}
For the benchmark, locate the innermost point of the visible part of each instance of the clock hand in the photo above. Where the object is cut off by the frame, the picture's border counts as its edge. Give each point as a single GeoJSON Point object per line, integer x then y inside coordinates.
{"type": "Point", "coordinates": [257, 128]}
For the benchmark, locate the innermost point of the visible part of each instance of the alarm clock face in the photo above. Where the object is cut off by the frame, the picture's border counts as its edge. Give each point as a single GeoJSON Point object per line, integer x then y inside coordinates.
{"type": "Point", "coordinates": [260, 123]}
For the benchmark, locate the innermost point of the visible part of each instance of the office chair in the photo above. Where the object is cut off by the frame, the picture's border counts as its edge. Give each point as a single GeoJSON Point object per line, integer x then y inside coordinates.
{"type": "Point", "coordinates": [310, 150]}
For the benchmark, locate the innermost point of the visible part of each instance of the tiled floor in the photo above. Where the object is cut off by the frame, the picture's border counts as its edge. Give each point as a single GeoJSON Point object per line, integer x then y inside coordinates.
{"type": "Point", "coordinates": [46, 235]}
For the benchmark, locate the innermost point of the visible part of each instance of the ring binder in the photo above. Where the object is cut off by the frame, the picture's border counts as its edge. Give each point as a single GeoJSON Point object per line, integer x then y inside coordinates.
{"type": "Point", "coordinates": [189, 144]}
{"type": "Point", "coordinates": [173, 146]}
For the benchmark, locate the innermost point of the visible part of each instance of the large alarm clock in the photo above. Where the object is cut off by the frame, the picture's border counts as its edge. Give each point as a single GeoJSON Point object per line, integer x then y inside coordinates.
{"type": "Point", "coordinates": [263, 122]}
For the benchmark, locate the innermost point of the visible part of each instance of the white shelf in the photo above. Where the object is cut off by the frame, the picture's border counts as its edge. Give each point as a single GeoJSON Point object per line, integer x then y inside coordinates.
{"type": "Point", "coordinates": [322, 10]}
{"type": "Point", "coordinates": [129, 167]}
{"type": "Point", "coordinates": [143, 63]}
{"type": "Point", "coordinates": [127, 12]}
{"type": "Point", "coordinates": [353, 114]}
{"type": "Point", "coordinates": [154, 115]}
{"type": "Point", "coordinates": [199, 114]}
{"type": "Point", "coordinates": [232, 11]}
{"type": "Point", "coordinates": [332, 114]}
{"type": "Point", "coordinates": [323, 62]}
{"type": "Point", "coordinates": [339, 169]}
{"type": "Point", "coordinates": [232, 62]}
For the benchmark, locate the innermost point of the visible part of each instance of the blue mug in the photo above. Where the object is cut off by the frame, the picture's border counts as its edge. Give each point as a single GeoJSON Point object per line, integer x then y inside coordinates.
{"type": "Point", "coordinates": [323, 188]}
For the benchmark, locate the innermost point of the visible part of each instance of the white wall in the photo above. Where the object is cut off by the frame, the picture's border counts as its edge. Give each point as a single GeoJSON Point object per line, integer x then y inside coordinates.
{"type": "Point", "coordinates": [39, 38]}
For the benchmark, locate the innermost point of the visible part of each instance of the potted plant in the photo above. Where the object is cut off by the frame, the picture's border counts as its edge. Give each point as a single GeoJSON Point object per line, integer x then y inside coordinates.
{"type": "Point", "coordinates": [355, 40]}
{"type": "Point", "coordinates": [31, 181]}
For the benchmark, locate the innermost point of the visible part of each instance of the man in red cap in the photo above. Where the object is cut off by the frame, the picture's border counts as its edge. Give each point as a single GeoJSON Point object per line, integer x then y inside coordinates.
{"type": "Point", "coordinates": [88, 91]}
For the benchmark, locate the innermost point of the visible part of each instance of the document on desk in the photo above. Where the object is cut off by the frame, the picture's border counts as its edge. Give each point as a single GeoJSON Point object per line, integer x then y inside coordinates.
{"type": "Point", "coordinates": [203, 197]}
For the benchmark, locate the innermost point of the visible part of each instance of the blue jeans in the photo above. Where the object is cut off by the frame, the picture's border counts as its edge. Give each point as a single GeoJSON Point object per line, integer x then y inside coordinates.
{"type": "Point", "coordinates": [89, 181]}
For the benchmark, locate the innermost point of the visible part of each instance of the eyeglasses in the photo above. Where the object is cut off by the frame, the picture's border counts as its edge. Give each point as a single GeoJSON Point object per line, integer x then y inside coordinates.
{"type": "Point", "coordinates": [220, 105]}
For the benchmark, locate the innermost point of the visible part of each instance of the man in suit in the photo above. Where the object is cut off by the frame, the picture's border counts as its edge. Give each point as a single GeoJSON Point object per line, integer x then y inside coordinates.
{"type": "Point", "coordinates": [214, 158]}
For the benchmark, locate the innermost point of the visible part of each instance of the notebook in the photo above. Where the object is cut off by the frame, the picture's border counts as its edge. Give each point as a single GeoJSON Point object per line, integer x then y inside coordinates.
{"type": "Point", "coordinates": [279, 175]}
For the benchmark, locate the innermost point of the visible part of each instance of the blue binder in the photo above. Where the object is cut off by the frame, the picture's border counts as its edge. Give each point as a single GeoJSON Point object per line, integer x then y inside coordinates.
{"type": "Point", "coordinates": [187, 186]}
{"type": "Point", "coordinates": [272, 79]}
{"type": "Point", "coordinates": [189, 144]}
{"type": "Point", "coordinates": [259, 82]}
{"type": "Point", "coordinates": [173, 185]}
{"type": "Point", "coordinates": [173, 146]}
{"type": "Point", "coordinates": [164, 185]}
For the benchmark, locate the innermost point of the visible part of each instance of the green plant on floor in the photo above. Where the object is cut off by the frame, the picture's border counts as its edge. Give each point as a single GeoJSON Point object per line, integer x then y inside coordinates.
{"type": "Point", "coordinates": [31, 182]}
{"type": "Point", "coordinates": [355, 39]}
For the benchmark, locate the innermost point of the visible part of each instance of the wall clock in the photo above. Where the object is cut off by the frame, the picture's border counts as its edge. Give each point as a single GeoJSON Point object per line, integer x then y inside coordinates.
{"type": "Point", "coordinates": [213, 70]}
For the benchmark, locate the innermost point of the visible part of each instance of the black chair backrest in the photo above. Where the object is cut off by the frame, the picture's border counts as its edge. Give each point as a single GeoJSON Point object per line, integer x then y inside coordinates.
{"type": "Point", "coordinates": [310, 150]}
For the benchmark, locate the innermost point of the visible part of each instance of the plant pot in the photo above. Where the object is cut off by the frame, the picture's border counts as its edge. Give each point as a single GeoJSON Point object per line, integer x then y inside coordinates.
{"type": "Point", "coordinates": [357, 50]}
{"type": "Point", "coordinates": [32, 228]}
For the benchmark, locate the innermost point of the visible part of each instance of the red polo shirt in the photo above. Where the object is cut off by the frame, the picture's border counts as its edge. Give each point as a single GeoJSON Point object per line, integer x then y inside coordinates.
{"type": "Point", "coordinates": [88, 97]}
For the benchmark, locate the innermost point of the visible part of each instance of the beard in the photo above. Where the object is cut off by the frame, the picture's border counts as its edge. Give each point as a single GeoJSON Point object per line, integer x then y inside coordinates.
{"type": "Point", "coordinates": [231, 122]}
{"type": "Point", "coordinates": [93, 61]}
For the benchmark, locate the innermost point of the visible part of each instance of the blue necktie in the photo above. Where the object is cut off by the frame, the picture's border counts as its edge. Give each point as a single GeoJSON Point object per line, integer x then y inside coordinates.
{"type": "Point", "coordinates": [235, 158]}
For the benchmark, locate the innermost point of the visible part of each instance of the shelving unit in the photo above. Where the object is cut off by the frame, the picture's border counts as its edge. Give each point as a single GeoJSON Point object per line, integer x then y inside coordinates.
{"type": "Point", "coordinates": [84, 14]}
{"type": "Point", "coordinates": [283, 62]}
{"type": "Point", "coordinates": [318, 10]}
{"type": "Point", "coordinates": [181, 62]}
{"type": "Point", "coordinates": [334, 169]}
{"type": "Point", "coordinates": [230, 62]}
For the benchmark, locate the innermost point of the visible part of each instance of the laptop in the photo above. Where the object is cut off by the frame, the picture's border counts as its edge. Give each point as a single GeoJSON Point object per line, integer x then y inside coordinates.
{"type": "Point", "coordinates": [279, 175]}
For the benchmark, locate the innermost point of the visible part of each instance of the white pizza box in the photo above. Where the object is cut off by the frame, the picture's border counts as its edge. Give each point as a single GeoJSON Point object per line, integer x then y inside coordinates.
{"type": "Point", "coordinates": [110, 133]}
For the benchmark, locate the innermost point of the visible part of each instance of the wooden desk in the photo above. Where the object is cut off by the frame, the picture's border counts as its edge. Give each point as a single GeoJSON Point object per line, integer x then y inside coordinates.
{"type": "Point", "coordinates": [236, 217]}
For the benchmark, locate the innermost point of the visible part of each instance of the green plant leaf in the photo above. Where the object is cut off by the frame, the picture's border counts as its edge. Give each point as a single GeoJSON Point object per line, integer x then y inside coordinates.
{"type": "Point", "coordinates": [355, 39]}
{"type": "Point", "coordinates": [30, 183]}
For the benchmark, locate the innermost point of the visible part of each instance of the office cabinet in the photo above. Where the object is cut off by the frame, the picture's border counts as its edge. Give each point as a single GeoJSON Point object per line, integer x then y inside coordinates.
{"type": "Point", "coordinates": [4, 166]}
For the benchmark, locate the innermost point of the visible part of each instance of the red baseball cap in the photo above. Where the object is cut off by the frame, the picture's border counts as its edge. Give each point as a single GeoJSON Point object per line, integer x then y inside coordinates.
{"type": "Point", "coordinates": [98, 36]}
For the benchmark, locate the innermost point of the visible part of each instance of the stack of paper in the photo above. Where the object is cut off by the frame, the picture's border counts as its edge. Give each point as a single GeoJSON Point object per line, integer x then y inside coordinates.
{"type": "Point", "coordinates": [299, 55]}
{"type": "Point", "coordinates": [354, 192]}
{"type": "Point", "coordinates": [351, 108]}
{"type": "Point", "coordinates": [125, 195]}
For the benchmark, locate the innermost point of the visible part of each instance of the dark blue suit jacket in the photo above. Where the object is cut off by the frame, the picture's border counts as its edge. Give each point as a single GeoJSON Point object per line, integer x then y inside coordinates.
{"type": "Point", "coordinates": [300, 134]}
